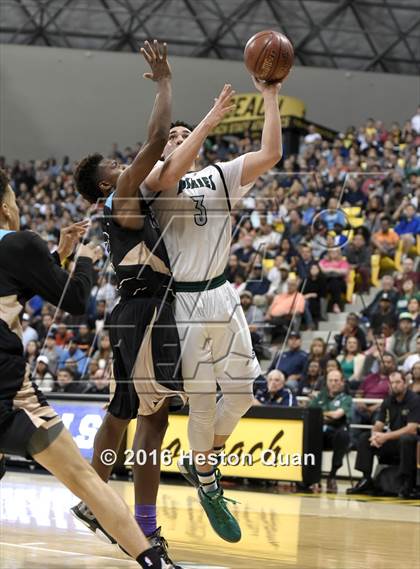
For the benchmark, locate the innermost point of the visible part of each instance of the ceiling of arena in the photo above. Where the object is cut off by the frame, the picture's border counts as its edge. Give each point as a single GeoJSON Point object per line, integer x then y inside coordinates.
{"type": "Point", "coordinates": [366, 35]}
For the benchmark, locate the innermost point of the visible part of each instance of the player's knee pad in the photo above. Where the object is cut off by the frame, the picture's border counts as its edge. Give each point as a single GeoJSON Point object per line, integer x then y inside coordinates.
{"type": "Point", "coordinates": [238, 404]}
{"type": "Point", "coordinates": [230, 408]}
{"type": "Point", "coordinates": [201, 421]}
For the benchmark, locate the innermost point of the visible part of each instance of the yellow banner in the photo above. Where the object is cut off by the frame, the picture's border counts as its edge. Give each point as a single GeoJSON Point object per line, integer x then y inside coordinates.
{"type": "Point", "coordinates": [259, 448]}
{"type": "Point", "coordinates": [249, 113]}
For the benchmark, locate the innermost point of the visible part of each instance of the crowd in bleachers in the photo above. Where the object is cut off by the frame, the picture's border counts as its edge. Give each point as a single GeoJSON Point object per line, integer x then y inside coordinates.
{"type": "Point", "coordinates": [335, 220]}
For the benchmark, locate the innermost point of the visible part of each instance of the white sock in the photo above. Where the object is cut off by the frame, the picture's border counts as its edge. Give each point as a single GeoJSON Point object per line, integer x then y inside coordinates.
{"type": "Point", "coordinates": [208, 481]}
{"type": "Point", "coordinates": [217, 451]}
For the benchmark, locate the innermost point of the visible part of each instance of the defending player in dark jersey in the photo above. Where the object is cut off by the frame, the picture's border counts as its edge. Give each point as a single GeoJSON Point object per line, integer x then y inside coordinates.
{"type": "Point", "coordinates": [143, 332]}
{"type": "Point", "coordinates": [29, 427]}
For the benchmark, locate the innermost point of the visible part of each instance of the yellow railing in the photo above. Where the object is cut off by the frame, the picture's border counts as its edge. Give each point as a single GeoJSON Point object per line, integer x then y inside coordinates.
{"type": "Point", "coordinates": [350, 286]}
{"type": "Point", "coordinates": [375, 263]}
{"type": "Point", "coordinates": [398, 256]}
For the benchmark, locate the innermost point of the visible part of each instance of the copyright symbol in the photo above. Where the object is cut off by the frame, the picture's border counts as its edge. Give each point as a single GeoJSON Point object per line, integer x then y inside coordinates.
{"type": "Point", "coordinates": [108, 457]}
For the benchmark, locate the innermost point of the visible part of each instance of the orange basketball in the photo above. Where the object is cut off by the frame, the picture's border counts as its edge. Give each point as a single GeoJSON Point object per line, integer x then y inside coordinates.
{"type": "Point", "coordinates": [268, 56]}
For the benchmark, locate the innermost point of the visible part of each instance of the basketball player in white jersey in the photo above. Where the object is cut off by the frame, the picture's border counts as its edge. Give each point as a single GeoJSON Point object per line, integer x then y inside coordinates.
{"type": "Point", "coordinates": [193, 209]}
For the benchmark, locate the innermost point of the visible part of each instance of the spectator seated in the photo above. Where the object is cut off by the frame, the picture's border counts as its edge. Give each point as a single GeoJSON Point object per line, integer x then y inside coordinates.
{"type": "Point", "coordinates": [400, 412]}
{"type": "Point", "coordinates": [291, 362]}
{"type": "Point", "coordinates": [286, 308]}
{"type": "Point", "coordinates": [99, 384]}
{"type": "Point", "coordinates": [375, 385]}
{"type": "Point", "coordinates": [274, 391]}
{"type": "Point", "coordinates": [336, 408]}
{"type": "Point", "coordinates": [68, 382]}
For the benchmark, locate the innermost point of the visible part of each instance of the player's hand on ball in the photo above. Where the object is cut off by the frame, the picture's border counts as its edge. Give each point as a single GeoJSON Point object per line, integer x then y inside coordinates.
{"type": "Point", "coordinates": [264, 87]}
{"type": "Point", "coordinates": [223, 105]}
{"type": "Point", "coordinates": [157, 57]}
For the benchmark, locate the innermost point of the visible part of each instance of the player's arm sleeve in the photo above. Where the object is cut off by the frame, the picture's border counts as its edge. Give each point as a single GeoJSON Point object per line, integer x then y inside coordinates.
{"type": "Point", "coordinates": [39, 273]}
{"type": "Point", "coordinates": [231, 179]}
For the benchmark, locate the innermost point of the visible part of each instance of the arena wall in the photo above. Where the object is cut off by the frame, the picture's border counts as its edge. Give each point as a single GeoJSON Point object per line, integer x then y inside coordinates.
{"type": "Point", "coordinates": [62, 101]}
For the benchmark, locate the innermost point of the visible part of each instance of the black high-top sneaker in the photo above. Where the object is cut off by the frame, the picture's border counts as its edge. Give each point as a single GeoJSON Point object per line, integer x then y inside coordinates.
{"type": "Point", "coordinates": [159, 543]}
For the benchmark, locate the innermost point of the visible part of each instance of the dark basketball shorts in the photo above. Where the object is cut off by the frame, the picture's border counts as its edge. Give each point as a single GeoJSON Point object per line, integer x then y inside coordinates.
{"type": "Point", "coordinates": [28, 425]}
{"type": "Point", "coordinates": [146, 358]}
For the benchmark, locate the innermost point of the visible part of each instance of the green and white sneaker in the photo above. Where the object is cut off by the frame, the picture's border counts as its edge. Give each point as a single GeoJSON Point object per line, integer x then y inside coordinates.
{"type": "Point", "coordinates": [187, 469]}
{"type": "Point", "coordinates": [214, 503]}
{"type": "Point", "coordinates": [221, 520]}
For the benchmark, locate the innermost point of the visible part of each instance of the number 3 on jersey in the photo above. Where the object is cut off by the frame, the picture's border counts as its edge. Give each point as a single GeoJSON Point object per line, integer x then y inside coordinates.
{"type": "Point", "coordinates": [200, 218]}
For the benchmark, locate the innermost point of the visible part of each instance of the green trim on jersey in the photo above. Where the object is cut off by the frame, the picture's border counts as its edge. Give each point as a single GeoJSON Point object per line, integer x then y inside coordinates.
{"type": "Point", "coordinates": [200, 286]}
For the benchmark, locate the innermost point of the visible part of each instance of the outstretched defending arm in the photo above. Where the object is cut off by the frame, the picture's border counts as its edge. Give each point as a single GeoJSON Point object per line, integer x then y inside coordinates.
{"type": "Point", "coordinates": [257, 163]}
{"type": "Point", "coordinates": [158, 130]}
{"type": "Point", "coordinates": [36, 271]}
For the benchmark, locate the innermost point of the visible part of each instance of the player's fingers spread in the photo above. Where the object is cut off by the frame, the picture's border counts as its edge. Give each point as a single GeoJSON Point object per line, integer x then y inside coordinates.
{"type": "Point", "coordinates": [226, 89]}
{"type": "Point", "coordinates": [81, 224]}
{"type": "Point", "coordinates": [145, 49]}
{"type": "Point", "coordinates": [228, 99]}
{"type": "Point", "coordinates": [228, 92]}
{"type": "Point", "coordinates": [146, 55]}
{"type": "Point", "coordinates": [154, 47]}
{"type": "Point", "coordinates": [158, 49]}
{"type": "Point", "coordinates": [222, 92]}
{"type": "Point", "coordinates": [164, 51]}
{"type": "Point", "coordinates": [223, 95]}
{"type": "Point", "coordinates": [75, 231]}
{"type": "Point", "coordinates": [149, 50]}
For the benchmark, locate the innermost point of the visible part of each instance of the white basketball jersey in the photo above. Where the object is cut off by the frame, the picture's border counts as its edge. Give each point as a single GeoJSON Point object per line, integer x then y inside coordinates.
{"type": "Point", "coordinates": [194, 219]}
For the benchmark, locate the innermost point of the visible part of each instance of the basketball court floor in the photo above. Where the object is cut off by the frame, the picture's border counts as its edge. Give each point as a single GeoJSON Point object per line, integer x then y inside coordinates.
{"type": "Point", "coordinates": [279, 530]}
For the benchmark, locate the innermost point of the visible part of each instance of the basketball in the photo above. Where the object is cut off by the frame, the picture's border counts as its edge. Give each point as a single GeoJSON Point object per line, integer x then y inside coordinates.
{"type": "Point", "coordinates": [268, 56]}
